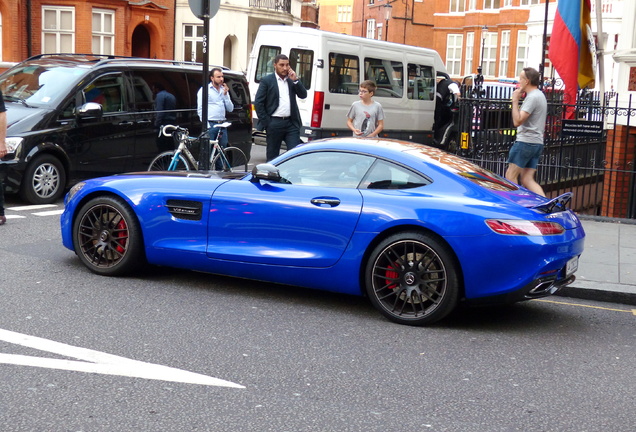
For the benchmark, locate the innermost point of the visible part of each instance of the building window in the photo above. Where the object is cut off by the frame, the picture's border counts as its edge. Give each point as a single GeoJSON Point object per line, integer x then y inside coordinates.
{"type": "Point", "coordinates": [379, 31]}
{"type": "Point", "coordinates": [457, 5]}
{"type": "Point", "coordinates": [489, 61]}
{"type": "Point", "coordinates": [529, 2]}
{"type": "Point", "coordinates": [472, 5]}
{"type": "Point", "coordinates": [193, 43]}
{"type": "Point", "coordinates": [454, 53]}
{"type": "Point", "coordinates": [470, 49]}
{"type": "Point", "coordinates": [504, 53]}
{"type": "Point", "coordinates": [344, 13]}
{"type": "Point", "coordinates": [371, 28]}
{"type": "Point", "coordinates": [58, 29]}
{"type": "Point", "coordinates": [507, 3]}
{"type": "Point", "coordinates": [522, 51]}
{"type": "Point", "coordinates": [491, 4]}
{"type": "Point", "coordinates": [103, 31]}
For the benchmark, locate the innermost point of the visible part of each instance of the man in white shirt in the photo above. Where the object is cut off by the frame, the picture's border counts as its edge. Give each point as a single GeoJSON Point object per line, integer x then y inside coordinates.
{"type": "Point", "coordinates": [276, 107]}
{"type": "Point", "coordinates": [219, 103]}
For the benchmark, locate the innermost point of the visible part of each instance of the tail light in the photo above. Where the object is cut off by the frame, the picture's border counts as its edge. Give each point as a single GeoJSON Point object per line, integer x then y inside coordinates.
{"type": "Point", "coordinates": [316, 110]}
{"type": "Point", "coordinates": [524, 227]}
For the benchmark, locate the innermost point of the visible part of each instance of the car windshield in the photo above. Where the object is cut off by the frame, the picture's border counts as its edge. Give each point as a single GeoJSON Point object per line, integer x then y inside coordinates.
{"type": "Point", "coordinates": [38, 84]}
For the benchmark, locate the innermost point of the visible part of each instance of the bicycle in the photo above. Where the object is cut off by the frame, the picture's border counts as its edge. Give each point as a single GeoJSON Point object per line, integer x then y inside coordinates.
{"type": "Point", "coordinates": [182, 159]}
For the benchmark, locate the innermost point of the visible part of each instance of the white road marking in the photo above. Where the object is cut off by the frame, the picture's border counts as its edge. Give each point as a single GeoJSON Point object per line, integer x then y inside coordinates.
{"type": "Point", "coordinates": [31, 207]}
{"type": "Point", "coordinates": [49, 213]}
{"type": "Point", "coordinates": [8, 216]}
{"type": "Point", "coordinates": [99, 362]}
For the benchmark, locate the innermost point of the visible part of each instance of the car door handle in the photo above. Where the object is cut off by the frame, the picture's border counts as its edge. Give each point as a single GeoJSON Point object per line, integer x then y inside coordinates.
{"type": "Point", "coordinates": [332, 202]}
{"type": "Point", "coordinates": [144, 122]}
{"type": "Point", "coordinates": [125, 123]}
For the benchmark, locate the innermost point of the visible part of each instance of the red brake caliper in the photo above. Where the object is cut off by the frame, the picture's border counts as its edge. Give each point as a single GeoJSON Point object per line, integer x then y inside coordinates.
{"type": "Point", "coordinates": [391, 277]}
{"type": "Point", "coordinates": [121, 232]}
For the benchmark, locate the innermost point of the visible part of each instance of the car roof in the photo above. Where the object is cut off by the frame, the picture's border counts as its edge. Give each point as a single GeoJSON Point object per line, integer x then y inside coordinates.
{"type": "Point", "coordinates": [96, 60]}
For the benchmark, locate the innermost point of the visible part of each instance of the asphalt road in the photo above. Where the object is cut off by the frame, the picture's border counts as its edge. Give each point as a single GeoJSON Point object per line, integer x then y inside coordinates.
{"type": "Point", "coordinates": [298, 360]}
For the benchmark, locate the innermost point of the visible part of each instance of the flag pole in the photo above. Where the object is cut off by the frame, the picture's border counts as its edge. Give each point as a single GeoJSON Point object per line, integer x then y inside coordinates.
{"type": "Point", "coordinates": [545, 43]}
{"type": "Point", "coordinates": [599, 50]}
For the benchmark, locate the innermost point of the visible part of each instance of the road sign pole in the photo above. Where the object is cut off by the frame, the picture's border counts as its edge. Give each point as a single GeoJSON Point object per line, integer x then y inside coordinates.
{"type": "Point", "coordinates": [204, 158]}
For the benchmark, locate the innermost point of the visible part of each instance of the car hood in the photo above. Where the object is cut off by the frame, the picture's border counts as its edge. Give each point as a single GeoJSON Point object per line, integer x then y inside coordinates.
{"type": "Point", "coordinates": [199, 174]}
{"type": "Point", "coordinates": [16, 113]}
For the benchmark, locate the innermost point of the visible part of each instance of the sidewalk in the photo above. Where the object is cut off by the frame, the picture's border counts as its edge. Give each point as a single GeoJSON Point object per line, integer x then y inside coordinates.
{"type": "Point", "coordinates": [607, 267]}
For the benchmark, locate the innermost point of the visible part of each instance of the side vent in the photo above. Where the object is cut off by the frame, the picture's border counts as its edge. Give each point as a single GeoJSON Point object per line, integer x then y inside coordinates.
{"type": "Point", "coordinates": [188, 210]}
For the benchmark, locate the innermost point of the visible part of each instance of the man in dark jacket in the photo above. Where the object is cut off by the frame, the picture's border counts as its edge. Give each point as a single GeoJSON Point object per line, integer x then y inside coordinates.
{"type": "Point", "coordinates": [277, 109]}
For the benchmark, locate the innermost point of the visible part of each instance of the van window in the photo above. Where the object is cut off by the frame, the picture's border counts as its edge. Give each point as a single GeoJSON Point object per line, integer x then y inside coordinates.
{"type": "Point", "coordinates": [344, 73]}
{"type": "Point", "coordinates": [265, 65]}
{"type": "Point", "coordinates": [108, 91]}
{"type": "Point", "coordinates": [421, 82]}
{"type": "Point", "coordinates": [38, 84]}
{"type": "Point", "coordinates": [144, 82]}
{"type": "Point", "coordinates": [301, 61]}
{"type": "Point", "coordinates": [388, 76]}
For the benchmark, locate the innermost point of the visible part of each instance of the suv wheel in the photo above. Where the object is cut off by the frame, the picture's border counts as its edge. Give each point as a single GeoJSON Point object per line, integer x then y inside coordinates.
{"type": "Point", "coordinates": [44, 180]}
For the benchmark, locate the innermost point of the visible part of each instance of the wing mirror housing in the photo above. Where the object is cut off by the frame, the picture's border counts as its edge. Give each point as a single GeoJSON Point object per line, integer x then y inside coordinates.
{"type": "Point", "coordinates": [90, 109]}
{"type": "Point", "coordinates": [265, 171]}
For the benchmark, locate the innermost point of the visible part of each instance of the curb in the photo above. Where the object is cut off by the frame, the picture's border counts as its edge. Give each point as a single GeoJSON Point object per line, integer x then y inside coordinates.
{"type": "Point", "coordinates": [607, 296]}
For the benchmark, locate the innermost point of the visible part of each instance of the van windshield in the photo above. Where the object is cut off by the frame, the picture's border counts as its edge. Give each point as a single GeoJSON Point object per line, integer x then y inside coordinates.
{"type": "Point", "coordinates": [38, 84]}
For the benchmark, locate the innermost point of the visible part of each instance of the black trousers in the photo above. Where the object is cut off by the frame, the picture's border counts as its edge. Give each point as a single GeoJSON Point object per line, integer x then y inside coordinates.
{"type": "Point", "coordinates": [3, 174]}
{"type": "Point", "coordinates": [280, 130]}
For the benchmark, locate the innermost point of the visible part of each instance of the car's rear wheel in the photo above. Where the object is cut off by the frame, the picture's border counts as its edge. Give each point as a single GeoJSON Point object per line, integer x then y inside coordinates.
{"type": "Point", "coordinates": [411, 278]}
{"type": "Point", "coordinates": [163, 160]}
{"type": "Point", "coordinates": [44, 180]}
{"type": "Point", "coordinates": [107, 237]}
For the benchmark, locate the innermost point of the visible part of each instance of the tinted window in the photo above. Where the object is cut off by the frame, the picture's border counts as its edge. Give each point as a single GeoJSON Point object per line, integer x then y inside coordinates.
{"type": "Point", "coordinates": [108, 91]}
{"type": "Point", "coordinates": [265, 64]}
{"type": "Point", "coordinates": [326, 169]}
{"type": "Point", "coordinates": [344, 73]}
{"type": "Point", "coordinates": [387, 175]}
{"type": "Point", "coordinates": [144, 82]}
{"type": "Point", "coordinates": [388, 76]}
{"type": "Point", "coordinates": [301, 62]}
{"type": "Point", "coordinates": [421, 82]}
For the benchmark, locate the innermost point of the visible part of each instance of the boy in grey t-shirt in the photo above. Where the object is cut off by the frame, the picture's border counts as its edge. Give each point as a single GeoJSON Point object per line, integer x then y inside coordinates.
{"type": "Point", "coordinates": [530, 122]}
{"type": "Point", "coordinates": [366, 117]}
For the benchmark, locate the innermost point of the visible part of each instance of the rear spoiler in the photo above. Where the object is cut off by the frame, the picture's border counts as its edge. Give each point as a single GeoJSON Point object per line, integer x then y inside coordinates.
{"type": "Point", "coordinates": [556, 204]}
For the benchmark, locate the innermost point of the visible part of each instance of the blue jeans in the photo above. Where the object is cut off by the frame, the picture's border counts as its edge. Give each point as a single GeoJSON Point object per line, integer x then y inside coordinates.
{"type": "Point", "coordinates": [525, 155]}
{"type": "Point", "coordinates": [214, 132]}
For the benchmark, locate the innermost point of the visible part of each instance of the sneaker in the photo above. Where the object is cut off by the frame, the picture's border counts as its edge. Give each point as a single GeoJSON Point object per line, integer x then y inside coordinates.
{"type": "Point", "coordinates": [3, 219]}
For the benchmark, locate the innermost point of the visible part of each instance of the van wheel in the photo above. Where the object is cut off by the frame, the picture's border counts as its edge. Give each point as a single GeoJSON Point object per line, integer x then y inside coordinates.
{"type": "Point", "coordinates": [44, 180]}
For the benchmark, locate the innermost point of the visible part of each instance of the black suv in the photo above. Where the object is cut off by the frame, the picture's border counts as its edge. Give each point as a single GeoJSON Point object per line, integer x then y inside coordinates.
{"type": "Point", "coordinates": [77, 116]}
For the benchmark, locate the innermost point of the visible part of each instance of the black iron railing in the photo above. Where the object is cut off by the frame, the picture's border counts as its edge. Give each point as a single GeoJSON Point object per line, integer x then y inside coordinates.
{"type": "Point", "coordinates": [275, 5]}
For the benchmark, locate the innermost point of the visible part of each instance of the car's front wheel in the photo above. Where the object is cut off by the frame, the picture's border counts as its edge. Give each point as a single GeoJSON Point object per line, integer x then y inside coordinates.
{"type": "Point", "coordinates": [44, 180]}
{"type": "Point", "coordinates": [107, 237]}
{"type": "Point", "coordinates": [411, 278]}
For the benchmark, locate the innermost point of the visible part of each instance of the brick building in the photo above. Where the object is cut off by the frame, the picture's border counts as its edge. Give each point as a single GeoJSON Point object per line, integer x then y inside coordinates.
{"type": "Point", "coordinates": [120, 27]}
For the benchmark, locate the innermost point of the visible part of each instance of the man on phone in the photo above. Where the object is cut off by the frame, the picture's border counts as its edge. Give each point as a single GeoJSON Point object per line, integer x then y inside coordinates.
{"type": "Point", "coordinates": [276, 107]}
{"type": "Point", "coordinates": [218, 103]}
{"type": "Point", "coordinates": [529, 119]}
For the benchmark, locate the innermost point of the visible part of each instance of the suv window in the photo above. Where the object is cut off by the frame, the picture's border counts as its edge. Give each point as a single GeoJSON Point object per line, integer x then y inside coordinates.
{"type": "Point", "coordinates": [108, 91]}
{"type": "Point", "coordinates": [144, 81]}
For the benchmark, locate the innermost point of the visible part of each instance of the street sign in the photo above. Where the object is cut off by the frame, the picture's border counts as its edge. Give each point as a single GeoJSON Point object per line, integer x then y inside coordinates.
{"type": "Point", "coordinates": [198, 8]}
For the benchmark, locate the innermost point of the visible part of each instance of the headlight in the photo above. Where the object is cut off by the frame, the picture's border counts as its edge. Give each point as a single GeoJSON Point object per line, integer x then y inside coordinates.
{"type": "Point", "coordinates": [75, 189]}
{"type": "Point", "coordinates": [13, 144]}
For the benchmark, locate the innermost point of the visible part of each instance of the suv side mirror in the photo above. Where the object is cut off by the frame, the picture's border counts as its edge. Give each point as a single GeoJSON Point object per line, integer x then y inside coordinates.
{"type": "Point", "coordinates": [265, 171]}
{"type": "Point", "coordinates": [90, 109]}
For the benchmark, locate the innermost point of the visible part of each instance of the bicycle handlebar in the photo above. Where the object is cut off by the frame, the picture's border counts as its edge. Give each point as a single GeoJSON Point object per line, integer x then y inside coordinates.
{"type": "Point", "coordinates": [164, 130]}
{"type": "Point", "coordinates": [222, 125]}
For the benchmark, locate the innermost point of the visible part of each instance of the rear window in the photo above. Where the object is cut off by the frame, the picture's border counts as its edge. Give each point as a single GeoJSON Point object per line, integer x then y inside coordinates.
{"type": "Point", "coordinates": [265, 63]}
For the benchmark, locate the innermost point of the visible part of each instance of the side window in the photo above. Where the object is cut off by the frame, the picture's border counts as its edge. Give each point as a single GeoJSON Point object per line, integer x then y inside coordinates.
{"type": "Point", "coordinates": [108, 91]}
{"type": "Point", "coordinates": [421, 82]}
{"type": "Point", "coordinates": [147, 83]}
{"type": "Point", "coordinates": [387, 175]}
{"type": "Point", "coordinates": [265, 63]}
{"type": "Point", "coordinates": [387, 74]}
{"type": "Point", "coordinates": [238, 94]}
{"type": "Point", "coordinates": [344, 73]}
{"type": "Point", "coordinates": [326, 169]}
{"type": "Point", "coordinates": [301, 61]}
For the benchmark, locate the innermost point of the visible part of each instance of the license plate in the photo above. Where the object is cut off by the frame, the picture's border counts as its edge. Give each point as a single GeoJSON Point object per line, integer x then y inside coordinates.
{"type": "Point", "coordinates": [572, 266]}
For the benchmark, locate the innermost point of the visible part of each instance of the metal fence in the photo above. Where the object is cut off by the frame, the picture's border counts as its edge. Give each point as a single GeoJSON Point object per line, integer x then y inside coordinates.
{"type": "Point", "coordinates": [599, 170]}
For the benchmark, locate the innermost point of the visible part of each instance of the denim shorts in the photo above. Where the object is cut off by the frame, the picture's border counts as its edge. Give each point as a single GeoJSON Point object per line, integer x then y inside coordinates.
{"type": "Point", "coordinates": [525, 155]}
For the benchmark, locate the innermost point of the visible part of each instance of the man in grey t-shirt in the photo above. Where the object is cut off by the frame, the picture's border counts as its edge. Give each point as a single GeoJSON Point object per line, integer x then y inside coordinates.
{"type": "Point", "coordinates": [530, 122]}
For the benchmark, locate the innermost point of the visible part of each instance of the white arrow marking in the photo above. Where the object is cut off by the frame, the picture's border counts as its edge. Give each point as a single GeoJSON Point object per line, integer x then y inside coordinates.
{"type": "Point", "coordinates": [100, 362]}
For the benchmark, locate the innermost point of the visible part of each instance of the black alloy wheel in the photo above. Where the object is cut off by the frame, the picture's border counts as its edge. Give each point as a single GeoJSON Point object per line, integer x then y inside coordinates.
{"type": "Point", "coordinates": [107, 237]}
{"type": "Point", "coordinates": [411, 278]}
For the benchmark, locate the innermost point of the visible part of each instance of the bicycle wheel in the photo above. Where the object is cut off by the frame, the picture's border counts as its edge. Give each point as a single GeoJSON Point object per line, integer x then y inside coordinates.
{"type": "Point", "coordinates": [234, 156]}
{"type": "Point", "coordinates": [163, 160]}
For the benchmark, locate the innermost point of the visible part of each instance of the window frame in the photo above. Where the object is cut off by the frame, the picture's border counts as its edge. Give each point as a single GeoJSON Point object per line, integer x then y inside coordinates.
{"type": "Point", "coordinates": [58, 32]}
{"type": "Point", "coordinates": [102, 35]}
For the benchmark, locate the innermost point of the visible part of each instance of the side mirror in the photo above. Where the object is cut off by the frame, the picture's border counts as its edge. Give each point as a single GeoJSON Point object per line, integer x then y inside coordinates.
{"type": "Point", "coordinates": [265, 171]}
{"type": "Point", "coordinates": [90, 109]}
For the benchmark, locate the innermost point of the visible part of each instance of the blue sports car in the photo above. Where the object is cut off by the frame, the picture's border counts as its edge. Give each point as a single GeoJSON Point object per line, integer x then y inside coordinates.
{"type": "Point", "coordinates": [413, 228]}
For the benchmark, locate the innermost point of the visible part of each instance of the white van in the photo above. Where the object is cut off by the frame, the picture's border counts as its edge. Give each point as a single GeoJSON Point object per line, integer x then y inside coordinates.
{"type": "Point", "coordinates": [331, 66]}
